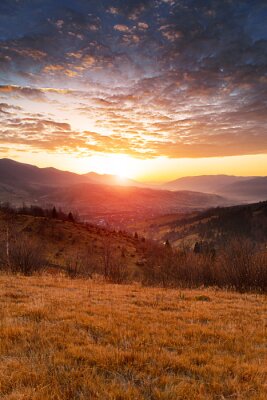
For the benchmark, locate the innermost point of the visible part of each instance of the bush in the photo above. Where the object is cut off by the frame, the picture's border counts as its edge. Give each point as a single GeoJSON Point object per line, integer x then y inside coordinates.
{"type": "Point", "coordinates": [26, 255]}
{"type": "Point", "coordinates": [241, 265]}
{"type": "Point", "coordinates": [113, 264]}
{"type": "Point", "coordinates": [117, 273]}
{"type": "Point", "coordinates": [82, 263]}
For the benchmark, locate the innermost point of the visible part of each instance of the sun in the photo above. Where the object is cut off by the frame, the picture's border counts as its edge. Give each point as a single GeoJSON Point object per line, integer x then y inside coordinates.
{"type": "Point", "coordinates": [122, 166]}
{"type": "Point", "coordinates": [121, 176]}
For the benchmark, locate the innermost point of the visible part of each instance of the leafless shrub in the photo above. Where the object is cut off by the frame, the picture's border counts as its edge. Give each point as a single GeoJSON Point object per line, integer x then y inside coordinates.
{"type": "Point", "coordinates": [192, 269]}
{"type": "Point", "coordinates": [82, 263]}
{"type": "Point", "coordinates": [117, 272]}
{"type": "Point", "coordinates": [113, 267]}
{"type": "Point", "coordinates": [173, 268]}
{"type": "Point", "coordinates": [26, 255]}
{"type": "Point", "coordinates": [3, 255]}
{"type": "Point", "coordinates": [260, 271]}
{"type": "Point", "coordinates": [242, 265]}
{"type": "Point", "coordinates": [107, 257]}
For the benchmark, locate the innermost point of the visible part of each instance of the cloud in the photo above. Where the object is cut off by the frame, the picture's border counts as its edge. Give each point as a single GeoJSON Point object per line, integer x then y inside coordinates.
{"type": "Point", "coordinates": [121, 28]}
{"type": "Point", "coordinates": [32, 93]}
{"type": "Point", "coordinates": [55, 69]}
{"type": "Point", "coordinates": [7, 108]}
{"type": "Point", "coordinates": [170, 33]}
{"type": "Point", "coordinates": [133, 8]}
{"type": "Point", "coordinates": [113, 10]}
{"type": "Point", "coordinates": [160, 77]}
{"type": "Point", "coordinates": [142, 25]}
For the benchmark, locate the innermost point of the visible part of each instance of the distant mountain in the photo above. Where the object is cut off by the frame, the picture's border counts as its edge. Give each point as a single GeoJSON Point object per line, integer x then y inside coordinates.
{"type": "Point", "coordinates": [204, 183]}
{"type": "Point", "coordinates": [236, 188]}
{"type": "Point", "coordinates": [254, 189]}
{"type": "Point", "coordinates": [107, 179]}
{"type": "Point", "coordinates": [20, 174]}
{"type": "Point", "coordinates": [25, 174]}
{"type": "Point", "coordinates": [93, 194]}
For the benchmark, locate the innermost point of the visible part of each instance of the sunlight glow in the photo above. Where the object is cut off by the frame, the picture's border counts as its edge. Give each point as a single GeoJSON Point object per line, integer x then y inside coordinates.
{"type": "Point", "coordinates": [122, 165]}
{"type": "Point", "coordinates": [159, 169]}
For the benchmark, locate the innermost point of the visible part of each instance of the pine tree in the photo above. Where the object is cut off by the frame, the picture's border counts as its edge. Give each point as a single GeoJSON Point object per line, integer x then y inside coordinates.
{"type": "Point", "coordinates": [70, 217]}
{"type": "Point", "coordinates": [54, 213]}
{"type": "Point", "coordinates": [167, 243]}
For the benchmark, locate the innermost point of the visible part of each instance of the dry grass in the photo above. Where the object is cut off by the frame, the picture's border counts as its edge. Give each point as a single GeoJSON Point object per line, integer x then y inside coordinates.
{"type": "Point", "coordinates": [78, 339]}
{"type": "Point", "coordinates": [63, 241]}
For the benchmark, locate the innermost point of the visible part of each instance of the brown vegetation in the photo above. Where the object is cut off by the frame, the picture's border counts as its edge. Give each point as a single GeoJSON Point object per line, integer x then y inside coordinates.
{"type": "Point", "coordinates": [240, 265]}
{"type": "Point", "coordinates": [28, 244]}
{"type": "Point", "coordinates": [216, 226]}
{"type": "Point", "coordinates": [76, 248]}
{"type": "Point", "coordinates": [67, 339]}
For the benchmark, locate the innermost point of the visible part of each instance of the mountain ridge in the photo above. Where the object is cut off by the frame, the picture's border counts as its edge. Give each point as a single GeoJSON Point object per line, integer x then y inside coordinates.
{"type": "Point", "coordinates": [20, 183]}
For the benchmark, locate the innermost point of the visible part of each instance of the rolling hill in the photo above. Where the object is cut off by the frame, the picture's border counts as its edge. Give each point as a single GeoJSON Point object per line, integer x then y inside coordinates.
{"type": "Point", "coordinates": [237, 188]}
{"type": "Point", "coordinates": [251, 189]}
{"type": "Point", "coordinates": [204, 183]}
{"type": "Point", "coordinates": [23, 183]}
{"type": "Point", "coordinates": [215, 225]}
{"type": "Point", "coordinates": [64, 242]}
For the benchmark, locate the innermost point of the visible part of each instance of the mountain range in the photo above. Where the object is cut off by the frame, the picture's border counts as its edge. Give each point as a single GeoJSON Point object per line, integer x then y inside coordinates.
{"type": "Point", "coordinates": [237, 188]}
{"type": "Point", "coordinates": [93, 194]}
{"type": "Point", "coordinates": [203, 183]}
{"type": "Point", "coordinates": [98, 195]}
{"type": "Point", "coordinates": [19, 173]}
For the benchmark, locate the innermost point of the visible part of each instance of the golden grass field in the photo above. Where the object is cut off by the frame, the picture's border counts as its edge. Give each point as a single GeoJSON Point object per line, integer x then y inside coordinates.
{"type": "Point", "coordinates": [83, 339]}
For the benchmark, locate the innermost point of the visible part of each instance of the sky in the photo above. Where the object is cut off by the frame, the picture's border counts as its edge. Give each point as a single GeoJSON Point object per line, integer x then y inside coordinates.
{"type": "Point", "coordinates": [149, 89]}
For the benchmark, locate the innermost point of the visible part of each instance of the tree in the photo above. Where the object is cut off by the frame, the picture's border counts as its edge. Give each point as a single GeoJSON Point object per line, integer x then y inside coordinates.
{"type": "Point", "coordinates": [197, 248]}
{"type": "Point", "coordinates": [70, 217]}
{"type": "Point", "coordinates": [54, 213]}
{"type": "Point", "coordinates": [8, 218]}
{"type": "Point", "coordinates": [167, 244]}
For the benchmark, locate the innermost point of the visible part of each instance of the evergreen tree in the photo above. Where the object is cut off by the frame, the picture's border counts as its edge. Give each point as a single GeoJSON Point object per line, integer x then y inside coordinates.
{"type": "Point", "coordinates": [54, 213]}
{"type": "Point", "coordinates": [70, 217]}
{"type": "Point", "coordinates": [167, 244]}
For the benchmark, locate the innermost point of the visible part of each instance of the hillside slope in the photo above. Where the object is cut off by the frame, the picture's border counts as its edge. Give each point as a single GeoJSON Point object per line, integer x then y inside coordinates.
{"type": "Point", "coordinates": [79, 339]}
{"type": "Point", "coordinates": [214, 225]}
{"type": "Point", "coordinates": [64, 241]}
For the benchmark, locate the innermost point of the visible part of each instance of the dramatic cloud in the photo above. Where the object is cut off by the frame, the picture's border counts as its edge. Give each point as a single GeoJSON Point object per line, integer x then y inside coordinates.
{"type": "Point", "coordinates": [171, 78]}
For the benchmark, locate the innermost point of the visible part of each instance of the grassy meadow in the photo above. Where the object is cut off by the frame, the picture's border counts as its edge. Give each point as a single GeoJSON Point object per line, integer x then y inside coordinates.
{"type": "Point", "coordinates": [64, 339]}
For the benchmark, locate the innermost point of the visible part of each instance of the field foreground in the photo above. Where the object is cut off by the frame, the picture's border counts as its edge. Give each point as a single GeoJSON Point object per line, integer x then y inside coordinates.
{"type": "Point", "coordinates": [79, 339]}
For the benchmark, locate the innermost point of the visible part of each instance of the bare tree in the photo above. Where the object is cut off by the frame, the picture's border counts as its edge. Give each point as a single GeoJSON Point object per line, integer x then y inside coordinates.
{"type": "Point", "coordinates": [7, 235]}
{"type": "Point", "coordinates": [106, 257]}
